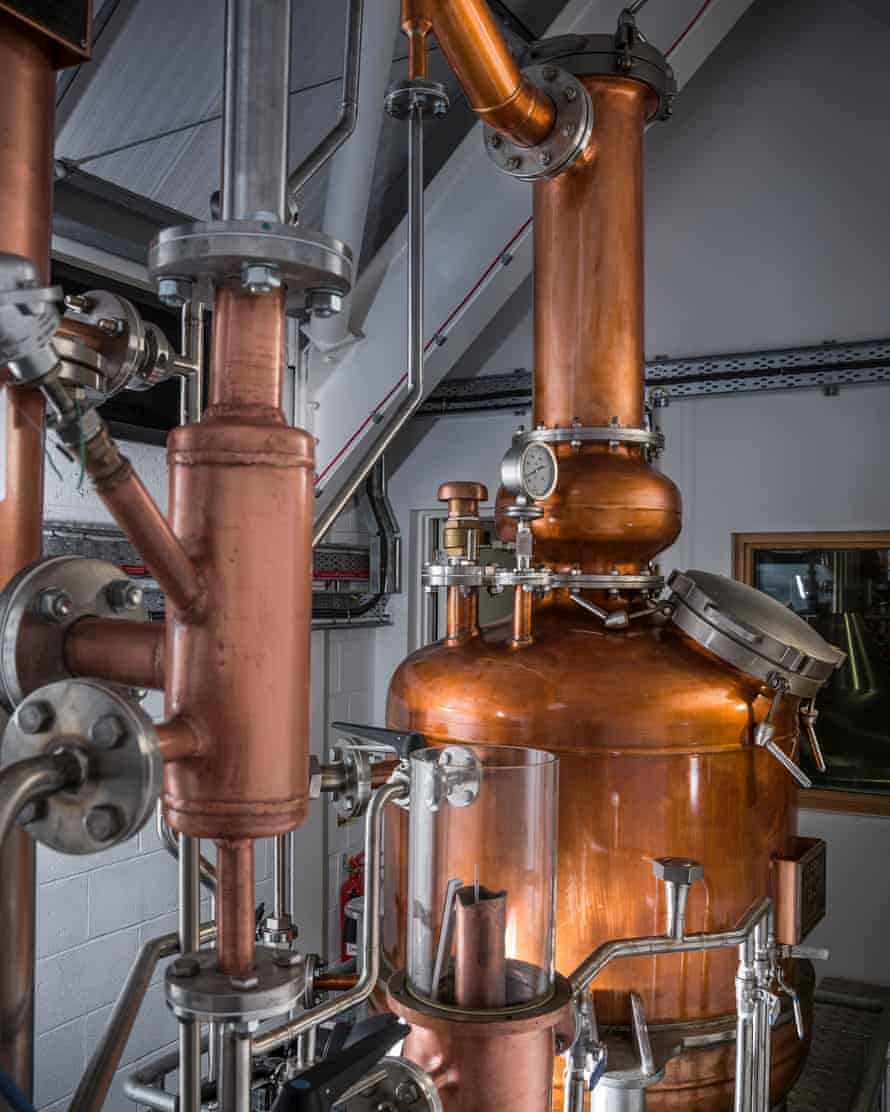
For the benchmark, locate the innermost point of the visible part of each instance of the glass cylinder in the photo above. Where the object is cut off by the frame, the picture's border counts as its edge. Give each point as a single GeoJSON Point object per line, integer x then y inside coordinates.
{"type": "Point", "coordinates": [482, 867]}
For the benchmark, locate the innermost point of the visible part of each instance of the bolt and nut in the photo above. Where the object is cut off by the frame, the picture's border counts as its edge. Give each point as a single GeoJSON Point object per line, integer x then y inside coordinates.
{"type": "Point", "coordinates": [495, 141]}
{"type": "Point", "coordinates": [545, 158]}
{"type": "Point", "coordinates": [186, 967]}
{"type": "Point", "coordinates": [111, 326]}
{"type": "Point", "coordinates": [407, 1092]}
{"type": "Point", "coordinates": [244, 984]}
{"type": "Point", "coordinates": [77, 303]}
{"type": "Point", "coordinates": [107, 731]}
{"type": "Point", "coordinates": [514, 163]}
{"type": "Point", "coordinates": [54, 604]}
{"type": "Point", "coordinates": [124, 595]}
{"type": "Point", "coordinates": [35, 717]}
{"type": "Point", "coordinates": [174, 292]}
{"type": "Point", "coordinates": [549, 73]}
{"type": "Point", "coordinates": [324, 303]}
{"type": "Point", "coordinates": [289, 959]}
{"type": "Point", "coordinates": [103, 823]}
{"type": "Point", "coordinates": [260, 277]}
{"type": "Point", "coordinates": [571, 93]}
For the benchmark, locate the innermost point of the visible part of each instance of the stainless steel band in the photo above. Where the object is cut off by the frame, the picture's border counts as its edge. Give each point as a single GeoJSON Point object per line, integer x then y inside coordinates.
{"type": "Point", "coordinates": [576, 435]}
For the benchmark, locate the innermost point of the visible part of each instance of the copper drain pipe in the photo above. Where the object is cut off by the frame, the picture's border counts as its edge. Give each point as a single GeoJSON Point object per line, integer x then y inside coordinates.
{"type": "Point", "coordinates": [236, 931]}
{"type": "Point", "coordinates": [27, 113]}
{"type": "Point", "coordinates": [475, 48]}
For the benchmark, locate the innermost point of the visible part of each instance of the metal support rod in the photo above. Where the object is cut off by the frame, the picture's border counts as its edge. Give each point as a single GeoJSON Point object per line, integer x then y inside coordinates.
{"type": "Point", "coordinates": [96, 1081]}
{"type": "Point", "coordinates": [255, 109]}
{"type": "Point", "coordinates": [189, 942]}
{"type": "Point", "coordinates": [370, 943]}
{"type": "Point", "coordinates": [746, 996]}
{"type": "Point", "coordinates": [236, 1069]}
{"type": "Point", "coordinates": [414, 395]}
{"type": "Point", "coordinates": [347, 119]}
{"type": "Point", "coordinates": [191, 363]}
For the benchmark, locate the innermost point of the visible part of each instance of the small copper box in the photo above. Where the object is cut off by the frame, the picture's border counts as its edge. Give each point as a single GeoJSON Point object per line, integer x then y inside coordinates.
{"type": "Point", "coordinates": [799, 889]}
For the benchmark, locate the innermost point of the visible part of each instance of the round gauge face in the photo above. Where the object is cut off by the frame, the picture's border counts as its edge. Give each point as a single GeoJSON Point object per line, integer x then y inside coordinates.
{"type": "Point", "coordinates": [539, 471]}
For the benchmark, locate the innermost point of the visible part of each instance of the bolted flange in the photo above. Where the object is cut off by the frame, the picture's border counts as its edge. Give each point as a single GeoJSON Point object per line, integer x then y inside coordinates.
{"type": "Point", "coordinates": [203, 993]}
{"type": "Point", "coordinates": [404, 96]}
{"type": "Point", "coordinates": [568, 138]}
{"type": "Point", "coordinates": [115, 744]}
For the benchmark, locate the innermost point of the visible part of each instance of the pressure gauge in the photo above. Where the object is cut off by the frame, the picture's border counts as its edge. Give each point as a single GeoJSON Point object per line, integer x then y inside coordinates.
{"type": "Point", "coordinates": [530, 470]}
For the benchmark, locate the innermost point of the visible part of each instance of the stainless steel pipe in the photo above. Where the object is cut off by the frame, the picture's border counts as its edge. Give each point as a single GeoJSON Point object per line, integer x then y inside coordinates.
{"type": "Point", "coordinates": [346, 120]}
{"type": "Point", "coordinates": [189, 942]}
{"type": "Point", "coordinates": [389, 430]}
{"type": "Point", "coordinates": [236, 1070]}
{"type": "Point", "coordinates": [27, 782]}
{"type": "Point", "coordinates": [171, 844]}
{"type": "Point", "coordinates": [255, 110]}
{"type": "Point", "coordinates": [370, 933]}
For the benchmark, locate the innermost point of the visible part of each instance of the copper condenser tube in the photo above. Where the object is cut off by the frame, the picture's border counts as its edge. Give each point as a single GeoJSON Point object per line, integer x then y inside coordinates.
{"type": "Point", "coordinates": [480, 964]}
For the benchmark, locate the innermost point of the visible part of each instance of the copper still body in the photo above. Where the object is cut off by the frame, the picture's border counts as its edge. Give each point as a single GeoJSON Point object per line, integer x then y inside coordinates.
{"type": "Point", "coordinates": [653, 734]}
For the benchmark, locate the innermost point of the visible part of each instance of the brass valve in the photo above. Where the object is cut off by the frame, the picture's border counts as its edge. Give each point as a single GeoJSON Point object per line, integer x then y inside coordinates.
{"type": "Point", "coordinates": [463, 529]}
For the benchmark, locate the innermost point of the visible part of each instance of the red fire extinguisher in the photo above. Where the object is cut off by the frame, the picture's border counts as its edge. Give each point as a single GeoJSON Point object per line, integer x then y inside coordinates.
{"type": "Point", "coordinates": [353, 887]}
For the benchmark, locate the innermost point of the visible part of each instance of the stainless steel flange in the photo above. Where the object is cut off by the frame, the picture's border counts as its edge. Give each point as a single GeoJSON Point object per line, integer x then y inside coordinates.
{"type": "Point", "coordinates": [403, 96]}
{"type": "Point", "coordinates": [114, 741]}
{"type": "Point", "coordinates": [40, 605]}
{"type": "Point", "coordinates": [197, 990]}
{"type": "Point", "coordinates": [125, 350]}
{"type": "Point", "coordinates": [212, 252]}
{"type": "Point", "coordinates": [568, 138]}
{"type": "Point", "coordinates": [582, 434]}
{"type": "Point", "coordinates": [581, 581]}
{"type": "Point", "coordinates": [396, 1083]}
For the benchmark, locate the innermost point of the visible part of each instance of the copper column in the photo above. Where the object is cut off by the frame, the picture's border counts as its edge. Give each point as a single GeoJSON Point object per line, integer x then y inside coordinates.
{"type": "Point", "coordinates": [27, 112]}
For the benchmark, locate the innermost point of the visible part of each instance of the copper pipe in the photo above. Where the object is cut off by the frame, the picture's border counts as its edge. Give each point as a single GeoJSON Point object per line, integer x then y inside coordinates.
{"type": "Point", "coordinates": [335, 982]}
{"type": "Point", "coordinates": [417, 22]}
{"type": "Point", "coordinates": [381, 772]}
{"type": "Point", "coordinates": [475, 48]}
{"type": "Point", "coordinates": [461, 615]}
{"type": "Point", "coordinates": [235, 918]}
{"type": "Point", "coordinates": [589, 357]}
{"type": "Point", "coordinates": [129, 653]}
{"type": "Point", "coordinates": [180, 741]}
{"type": "Point", "coordinates": [480, 966]}
{"type": "Point", "coordinates": [27, 133]}
{"type": "Point", "coordinates": [522, 616]}
{"type": "Point", "coordinates": [248, 348]}
{"type": "Point", "coordinates": [138, 516]}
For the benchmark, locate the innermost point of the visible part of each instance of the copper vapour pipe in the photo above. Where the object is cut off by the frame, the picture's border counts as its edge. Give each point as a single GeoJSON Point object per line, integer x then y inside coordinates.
{"type": "Point", "coordinates": [129, 653]}
{"type": "Point", "coordinates": [475, 48]}
{"type": "Point", "coordinates": [27, 115]}
{"type": "Point", "coordinates": [137, 513]}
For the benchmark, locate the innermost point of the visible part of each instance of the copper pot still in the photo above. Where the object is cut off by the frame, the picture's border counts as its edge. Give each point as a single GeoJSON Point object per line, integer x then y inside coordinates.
{"type": "Point", "coordinates": [653, 734]}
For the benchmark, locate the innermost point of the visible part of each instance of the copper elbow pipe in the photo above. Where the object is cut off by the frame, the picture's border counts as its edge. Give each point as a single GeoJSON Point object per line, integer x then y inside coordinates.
{"type": "Point", "coordinates": [129, 653]}
{"type": "Point", "coordinates": [475, 48]}
{"type": "Point", "coordinates": [135, 511]}
{"type": "Point", "coordinates": [234, 898]}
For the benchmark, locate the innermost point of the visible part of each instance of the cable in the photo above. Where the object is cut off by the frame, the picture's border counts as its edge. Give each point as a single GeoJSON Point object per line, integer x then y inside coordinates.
{"type": "Point", "coordinates": [701, 11]}
{"type": "Point", "coordinates": [13, 1095]}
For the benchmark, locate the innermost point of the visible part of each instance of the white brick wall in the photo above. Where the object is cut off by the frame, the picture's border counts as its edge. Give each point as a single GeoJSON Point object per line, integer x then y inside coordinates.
{"type": "Point", "coordinates": [93, 913]}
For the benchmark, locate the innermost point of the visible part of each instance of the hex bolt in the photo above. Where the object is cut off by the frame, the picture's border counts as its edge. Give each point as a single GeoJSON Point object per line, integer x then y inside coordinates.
{"type": "Point", "coordinates": [174, 292]}
{"type": "Point", "coordinates": [571, 93]}
{"type": "Point", "coordinates": [77, 303]}
{"type": "Point", "coordinates": [514, 163]}
{"type": "Point", "coordinates": [288, 959]}
{"type": "Point", "coordinates": [111, 326]}
{"type": "Point", "coordinates": [54, 604]}
{"type": "Point", "coordinates": [495, 141]}
{"type": "Point", "coordinates": [107, 731]}
{"type": "Point", "coordinates": [260, 277]}
{"type": "Point", "coordinates": [244, 984]}
{"type": "Point", "coordinates": [103, 823]}
{"type": "Point", "coordinates": [545, 158]}
{"type": "Point", "coordinates": [324, 303]}
{"type": "Point", "coordinates": [36, 717]}
{"type": "Point", "coordinates": [678, 874]}
{"type": "Point", "coordinates": [124, 595]}
{"type": "Point", "coordinates": [440, 108]}
{"type": "Point", "coordinates": [407, 1092]}
{"type": "Point", "coordinates": [186, 967]}
{"type": "Point", "coordinates": [549, 73]}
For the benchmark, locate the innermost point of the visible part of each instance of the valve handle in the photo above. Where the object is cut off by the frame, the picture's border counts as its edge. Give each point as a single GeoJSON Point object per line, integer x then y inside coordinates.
{"type": "Point", "coordinates": [808, 717]}
{"type": "Point", "coordinates": [765, 733]}
{"type": "Point", "coordinates": [320, 1087]}
{"type": "Point", "coordinates": [401, 742]}
{"type": "Point", "coordinates": [796, 771]}
{"type": "Point", "coordinates": [796, 1005]}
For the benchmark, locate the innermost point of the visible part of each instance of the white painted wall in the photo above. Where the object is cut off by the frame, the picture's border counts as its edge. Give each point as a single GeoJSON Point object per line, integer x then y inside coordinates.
{"type": "Point", "coordinates": [766, 226]}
